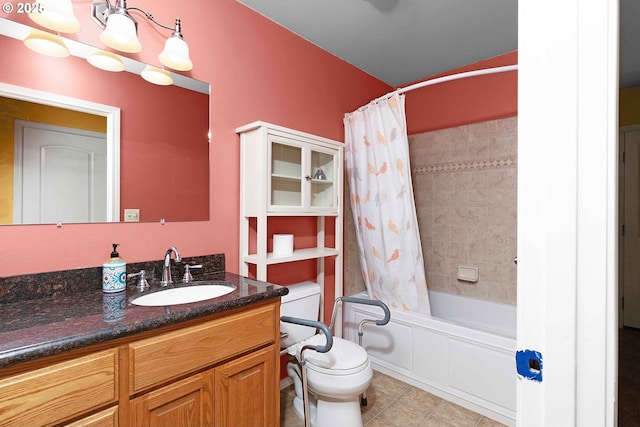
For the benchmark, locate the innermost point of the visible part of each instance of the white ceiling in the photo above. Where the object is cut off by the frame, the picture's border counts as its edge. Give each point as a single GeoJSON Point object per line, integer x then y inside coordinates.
{"type": "Point", "coordinates": [402, 41]}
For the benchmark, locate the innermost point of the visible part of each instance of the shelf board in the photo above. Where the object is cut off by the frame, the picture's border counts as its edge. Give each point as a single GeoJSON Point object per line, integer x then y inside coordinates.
{"type": "Point", "coordinates": [288, 211]}
{"type": "Point", "coordinates": [286, 177]}
{"type": "Point", "coordinates": [299, 178]}
{"type": "Point", "coordinates": [297, 255]}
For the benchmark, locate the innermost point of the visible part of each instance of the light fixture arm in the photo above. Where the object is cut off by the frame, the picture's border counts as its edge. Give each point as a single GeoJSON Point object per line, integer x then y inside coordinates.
{"type": "Point", "coordinates": [176, 30]}
{"type": "Point", "coordinates": [101, 10]}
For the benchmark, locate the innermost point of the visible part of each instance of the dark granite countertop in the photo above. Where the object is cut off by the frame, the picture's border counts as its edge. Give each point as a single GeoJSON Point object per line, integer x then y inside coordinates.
{"type": "Point", "coordinates": [59, 322]}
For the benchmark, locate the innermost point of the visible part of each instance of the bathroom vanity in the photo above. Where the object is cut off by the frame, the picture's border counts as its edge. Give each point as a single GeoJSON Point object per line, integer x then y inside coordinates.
{"type": "Point", "coordinates": [69, 360]}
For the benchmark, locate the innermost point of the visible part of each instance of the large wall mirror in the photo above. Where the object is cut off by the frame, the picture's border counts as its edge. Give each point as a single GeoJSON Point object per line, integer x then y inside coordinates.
{"type": "Point", "coordinates": [143, 147]}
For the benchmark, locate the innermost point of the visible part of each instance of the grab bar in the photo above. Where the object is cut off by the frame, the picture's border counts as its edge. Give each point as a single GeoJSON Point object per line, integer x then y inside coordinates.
{"type": "Point", "coordinates": [320, 349]}
{"type": "Point", "coordinates": [314, 324]}
{"type": "Point", "coordinates": [383, 306]}
{"type": "Point", "coordinates": [354, 300]}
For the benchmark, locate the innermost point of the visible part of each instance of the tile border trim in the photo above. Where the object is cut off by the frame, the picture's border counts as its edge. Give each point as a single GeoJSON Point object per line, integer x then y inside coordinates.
{"type": "Point", "coordinates": [466, 166]}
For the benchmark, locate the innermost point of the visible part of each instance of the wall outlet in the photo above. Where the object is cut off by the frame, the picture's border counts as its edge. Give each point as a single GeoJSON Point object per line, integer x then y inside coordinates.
{"type": "Point", "coordinates": [132, 215]}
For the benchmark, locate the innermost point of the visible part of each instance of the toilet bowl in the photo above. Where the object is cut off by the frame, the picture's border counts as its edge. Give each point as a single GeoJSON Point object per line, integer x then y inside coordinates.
{"type": "Point", "coordinates": [335, 379]}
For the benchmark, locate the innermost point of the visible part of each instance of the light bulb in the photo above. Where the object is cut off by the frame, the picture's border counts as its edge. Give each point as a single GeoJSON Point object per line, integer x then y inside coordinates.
{"type": "Point", "coordinates": [121, 34]}
{"type": "Point", "coordinates": [104, 60]}
{"type": "Point", "coordinates": [56, 15]}
{"type": "Point", "coordinates": [156, 75]}
{"type": "Point", "coordinates": [176, 54]}
{"type": "Point", "coordinates": [46, 43]}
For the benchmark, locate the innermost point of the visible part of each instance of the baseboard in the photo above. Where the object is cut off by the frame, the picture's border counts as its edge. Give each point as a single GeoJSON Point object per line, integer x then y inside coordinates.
{"type": "Point", "coordinates": [285, 382]}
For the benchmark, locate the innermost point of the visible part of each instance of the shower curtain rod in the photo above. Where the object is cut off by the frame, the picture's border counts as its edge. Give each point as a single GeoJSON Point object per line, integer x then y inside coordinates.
{"type": "Point", "coordinates": [448, 78]}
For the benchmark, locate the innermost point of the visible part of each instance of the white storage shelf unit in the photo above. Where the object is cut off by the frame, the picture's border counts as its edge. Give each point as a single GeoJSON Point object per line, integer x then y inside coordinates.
{"type": "Point", "coordinates": [289, 173]}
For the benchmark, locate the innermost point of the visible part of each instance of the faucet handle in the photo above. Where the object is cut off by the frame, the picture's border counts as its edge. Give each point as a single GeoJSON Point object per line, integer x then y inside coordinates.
{"type": "Point", "coordinates": [142, 284]}
{"type": "Point", "coordinates": [187, 277]}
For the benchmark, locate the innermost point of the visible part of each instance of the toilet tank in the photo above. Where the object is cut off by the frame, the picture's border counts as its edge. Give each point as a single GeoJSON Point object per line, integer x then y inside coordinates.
{"type": "Point", "coordinates": [302, 301]}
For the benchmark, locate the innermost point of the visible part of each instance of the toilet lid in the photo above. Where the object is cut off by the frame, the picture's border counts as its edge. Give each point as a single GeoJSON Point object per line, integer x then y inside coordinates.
{"type": "Point", "coordinates": [345, 357]}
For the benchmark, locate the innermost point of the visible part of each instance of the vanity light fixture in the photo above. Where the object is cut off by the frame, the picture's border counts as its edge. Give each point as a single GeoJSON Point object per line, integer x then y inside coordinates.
{"type": "Point", "coordinates": [46, 43]}
{"type": "Point", "coordinates": [155, 75]}
{"type": "Point", "coordinates": [121, 33]}
{"type": "Point", "coordinates": [56, 15]}
{"type": "Point", "coordinates": [105, 60]}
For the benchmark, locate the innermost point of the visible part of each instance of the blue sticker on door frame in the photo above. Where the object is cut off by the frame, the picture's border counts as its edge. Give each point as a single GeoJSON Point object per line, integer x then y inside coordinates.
{"type": "Point", "coordinates": [529, 364]}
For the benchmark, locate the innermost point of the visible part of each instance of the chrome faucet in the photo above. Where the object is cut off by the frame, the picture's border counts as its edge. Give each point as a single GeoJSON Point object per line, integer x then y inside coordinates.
{"type": "Point", "coordinates": [166, 266]}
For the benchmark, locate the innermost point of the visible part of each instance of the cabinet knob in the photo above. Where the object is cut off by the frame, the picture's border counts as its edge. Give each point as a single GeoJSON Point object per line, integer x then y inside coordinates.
{"type": "Point", "coordinates": [308, 177]}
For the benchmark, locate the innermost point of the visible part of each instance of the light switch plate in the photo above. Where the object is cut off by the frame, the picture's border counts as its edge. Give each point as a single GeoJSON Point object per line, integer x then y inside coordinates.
{"type": "Point", "coordinates": [132, 215]}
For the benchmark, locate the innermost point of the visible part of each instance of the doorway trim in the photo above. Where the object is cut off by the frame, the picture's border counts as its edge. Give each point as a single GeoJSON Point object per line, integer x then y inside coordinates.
{"type": "Point", "coordinates": [567, 211]}
{"type": "Point", "coordinates": [112, 115]}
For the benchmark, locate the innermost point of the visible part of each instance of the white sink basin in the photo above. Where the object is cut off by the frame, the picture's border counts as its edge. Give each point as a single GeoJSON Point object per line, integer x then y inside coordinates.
{"type": "Point", "coordinates": [184, 295]}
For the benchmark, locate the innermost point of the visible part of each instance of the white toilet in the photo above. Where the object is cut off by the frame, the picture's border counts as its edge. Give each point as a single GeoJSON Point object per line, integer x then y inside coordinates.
{"type": "Point", "coordinates": [335, 379]}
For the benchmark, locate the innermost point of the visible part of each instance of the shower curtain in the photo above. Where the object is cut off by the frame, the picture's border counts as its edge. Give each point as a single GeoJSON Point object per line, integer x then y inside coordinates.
{"type": "Point", "coordinates": [379, 175]}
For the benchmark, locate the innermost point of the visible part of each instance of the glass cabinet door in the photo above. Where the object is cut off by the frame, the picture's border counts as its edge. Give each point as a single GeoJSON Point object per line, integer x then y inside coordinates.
{"type": "Point", "coordinates": [302, 176]}
{"type": "Point", "coordinates": [321, 178]}
{"type": "Point", "coordinates": [286, 175]}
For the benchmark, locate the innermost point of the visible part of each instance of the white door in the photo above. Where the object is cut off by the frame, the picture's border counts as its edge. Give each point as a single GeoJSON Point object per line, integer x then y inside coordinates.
{"type": "Point", "coordinates": [631, 239]}
{"type": "Point", "coordinates": [60, 175]}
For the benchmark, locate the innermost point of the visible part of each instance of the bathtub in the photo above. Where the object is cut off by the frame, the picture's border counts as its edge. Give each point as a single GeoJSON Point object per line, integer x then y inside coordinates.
{"type": "Point", "coordinates": [464, 353]}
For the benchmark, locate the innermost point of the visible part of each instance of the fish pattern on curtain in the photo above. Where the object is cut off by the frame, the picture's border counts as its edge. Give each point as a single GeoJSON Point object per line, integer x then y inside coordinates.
{"type": "Point", "coordinates": [379, 176]}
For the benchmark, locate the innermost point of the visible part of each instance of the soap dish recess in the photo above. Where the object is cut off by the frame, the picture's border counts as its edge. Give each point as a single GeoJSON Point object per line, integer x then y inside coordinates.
{"type": "Point", "coordinates": [468, 274]}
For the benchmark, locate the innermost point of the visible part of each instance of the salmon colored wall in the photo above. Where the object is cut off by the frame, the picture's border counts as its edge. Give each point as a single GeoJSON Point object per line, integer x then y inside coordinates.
{"type": "Point", "coordinates": [13, 109]}
{"type": "Point", "coordinates": [258, 71]}
{"type": "Point", "coordinates": [629, 106]}
{"type": "Point", "coordinates": [464, 101]}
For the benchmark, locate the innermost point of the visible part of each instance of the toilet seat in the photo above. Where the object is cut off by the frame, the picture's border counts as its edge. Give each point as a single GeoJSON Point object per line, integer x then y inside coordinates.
{"type": "Point", "coordinates": [344, 358]}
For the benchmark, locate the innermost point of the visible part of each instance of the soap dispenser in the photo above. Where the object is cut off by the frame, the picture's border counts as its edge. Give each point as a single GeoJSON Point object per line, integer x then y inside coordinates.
{"type": "Point", "coordinates": [114, 273]}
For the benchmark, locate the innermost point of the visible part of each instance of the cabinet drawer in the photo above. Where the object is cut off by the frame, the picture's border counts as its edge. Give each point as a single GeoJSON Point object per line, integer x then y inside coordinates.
{"type": "Point", "coordinates": [106, 418]}
{"type": "Point", "coordinates": [59, 391]}
{"type": "Point", "coordinates": [157, 359]}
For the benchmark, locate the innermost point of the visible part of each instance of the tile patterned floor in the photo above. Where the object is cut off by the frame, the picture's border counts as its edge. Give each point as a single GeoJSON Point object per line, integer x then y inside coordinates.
{"type": "Point", "coordinates": [393, 403]}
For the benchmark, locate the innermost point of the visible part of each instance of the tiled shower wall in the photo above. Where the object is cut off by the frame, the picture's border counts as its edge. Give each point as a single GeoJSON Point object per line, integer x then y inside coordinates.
{"type": "Point", "coordinates": [464, 181]}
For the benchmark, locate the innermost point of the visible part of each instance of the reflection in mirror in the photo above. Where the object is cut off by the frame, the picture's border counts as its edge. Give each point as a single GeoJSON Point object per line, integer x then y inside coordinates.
{"type": "Point", "coordinates": [156, 158]}
{"type": "Point", "coordinates": [65, 164]}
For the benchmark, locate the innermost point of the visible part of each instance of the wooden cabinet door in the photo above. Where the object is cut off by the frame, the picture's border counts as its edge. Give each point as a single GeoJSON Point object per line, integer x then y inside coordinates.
{"type": "Point", "coordinates": [185, 403]}
{"type": "Point", "coordinates": [246, 390]}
